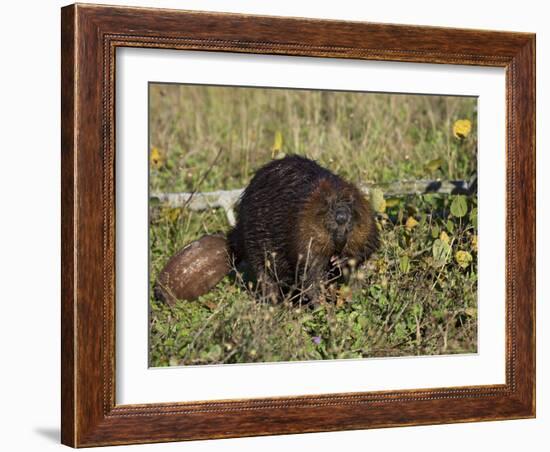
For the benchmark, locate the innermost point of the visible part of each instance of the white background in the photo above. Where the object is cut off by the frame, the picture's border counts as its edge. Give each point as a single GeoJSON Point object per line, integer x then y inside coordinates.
{"type": "Point", "coordinates": [29, 398]}
{"type": "Point", "coordinates": [137, 384]}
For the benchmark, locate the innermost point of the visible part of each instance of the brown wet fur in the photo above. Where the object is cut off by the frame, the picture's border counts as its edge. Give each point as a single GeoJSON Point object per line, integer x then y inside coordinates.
{"type": "Point", "coordinates": [287, 229]}
{"type": "Point", "coordinates": [362, 239]}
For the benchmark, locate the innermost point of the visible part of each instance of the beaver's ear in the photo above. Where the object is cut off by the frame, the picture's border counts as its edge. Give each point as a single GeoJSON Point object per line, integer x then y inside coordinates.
{"type": "Point", "coordinates": [324, 185]}
{"type": "Point", "coordinates": [326, 190]}
{"type": "Point", "coordinates": [322, 197]}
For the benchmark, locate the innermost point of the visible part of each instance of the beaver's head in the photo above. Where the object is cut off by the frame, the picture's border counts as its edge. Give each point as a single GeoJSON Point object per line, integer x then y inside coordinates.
{"type": "Point", "coordinates": [332, 212]}
{"type": "Point", "coordinates": [336, 220]}
{"type": "Point", "coordinates": [338, 212]}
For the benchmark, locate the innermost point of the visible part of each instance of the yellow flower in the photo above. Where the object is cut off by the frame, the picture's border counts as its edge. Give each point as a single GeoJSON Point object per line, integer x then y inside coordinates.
{"type": "Point", "coordinates": [170, 213]}
{"type": "Point", "coordinates": [462, 128]}
{"type": "Point", "coordinates": [156, 157]}
{"type": "Point", "coordinates": [463, 258]}
{"type": "Point", "coordinates": [444, 237]}
{"type": "Point", "coordinates": [410, 223]}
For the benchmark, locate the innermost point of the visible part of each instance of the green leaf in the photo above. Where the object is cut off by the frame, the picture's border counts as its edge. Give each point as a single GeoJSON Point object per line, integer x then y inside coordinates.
{"type": "Point", "coordinates": [459, 206]}
{"type": "Point", "coordinates": [450, 226]}
{"type": "Point", "coordinates": [438, 314]}
{"type": "Point", "coordinates": [392, 202]}
{"type": "Point", "coordinates": [404, 264]}
{"type": "Point", "coordinates": [435, 231]}
{"type": "Point", "coordinates": [440, 251]}
{"type": "Point", "coordinates": [375, 291]}
{"type": "Point", "coordinates": [473, 216]}
{"type": "Point", "coordinates": [433, 165]}
{"type": "Point", "coordinates": [400, 330]}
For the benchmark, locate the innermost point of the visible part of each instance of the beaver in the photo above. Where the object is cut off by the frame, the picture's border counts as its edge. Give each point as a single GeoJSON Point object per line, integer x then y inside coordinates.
{"type": "Point", "coordinates": [299, 226]}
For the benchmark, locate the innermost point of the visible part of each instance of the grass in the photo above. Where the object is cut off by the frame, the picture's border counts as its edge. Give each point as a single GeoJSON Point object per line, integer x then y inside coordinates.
{"type": "Point", "coordinates": [416, 296]}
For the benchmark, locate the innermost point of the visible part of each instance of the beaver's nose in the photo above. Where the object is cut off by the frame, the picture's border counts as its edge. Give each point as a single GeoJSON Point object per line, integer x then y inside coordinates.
{"type": "Point", "coordinates": [342, 216]}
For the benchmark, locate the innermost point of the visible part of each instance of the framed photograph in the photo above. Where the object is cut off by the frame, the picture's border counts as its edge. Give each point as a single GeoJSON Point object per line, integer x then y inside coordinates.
{"type": "Point", "coordinates": [280, 225]}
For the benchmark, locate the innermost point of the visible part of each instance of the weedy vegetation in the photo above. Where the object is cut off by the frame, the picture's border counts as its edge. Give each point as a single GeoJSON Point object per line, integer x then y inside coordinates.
{"type": "Point", "coordinates": [417, 295]}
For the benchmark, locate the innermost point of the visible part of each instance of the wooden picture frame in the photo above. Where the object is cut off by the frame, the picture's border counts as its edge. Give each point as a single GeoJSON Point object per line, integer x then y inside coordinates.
{"type": "Point", "coordinates": [90, 36]}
